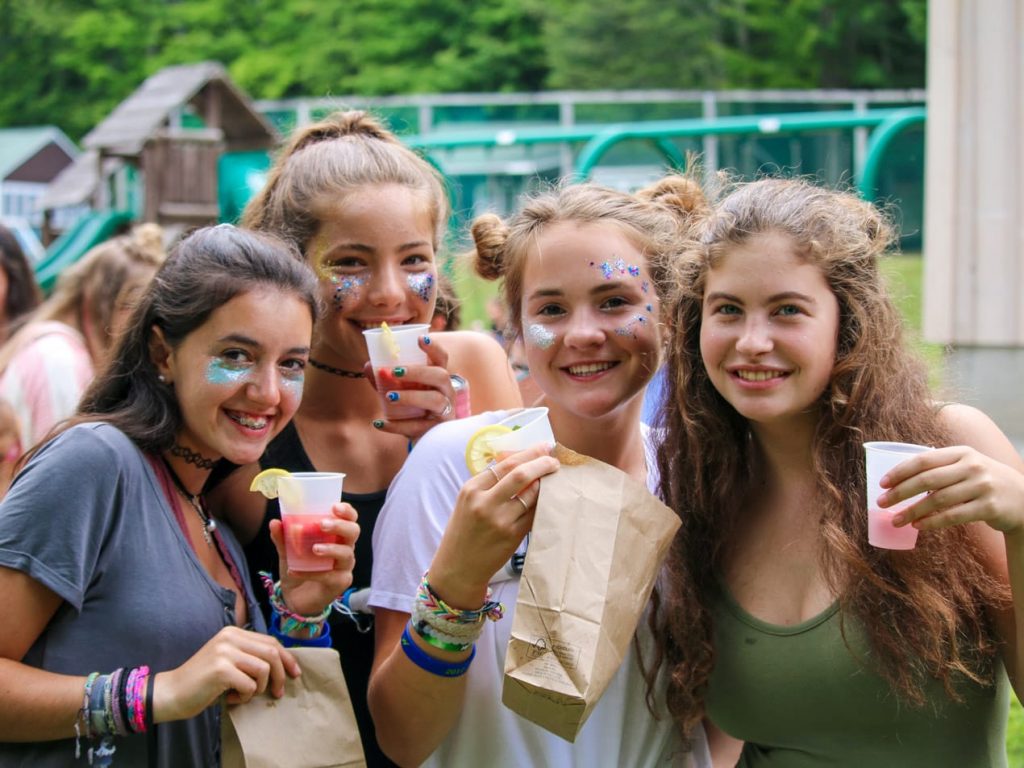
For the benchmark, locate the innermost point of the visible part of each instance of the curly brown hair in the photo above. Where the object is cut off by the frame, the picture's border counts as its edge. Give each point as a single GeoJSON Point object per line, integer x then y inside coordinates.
{"type": "Point", "coordinates": [923, 610]}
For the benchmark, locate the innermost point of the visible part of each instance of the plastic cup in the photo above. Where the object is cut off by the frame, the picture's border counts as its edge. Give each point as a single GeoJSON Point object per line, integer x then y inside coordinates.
{"type": "Point", "coordinates": [384, 357]}
{"type": "Point", "coordinates": [879, 459]}
{"type": "Point", "coordinates": [306, 499]}
{"type": "Point", "coordinates": [529, 427]}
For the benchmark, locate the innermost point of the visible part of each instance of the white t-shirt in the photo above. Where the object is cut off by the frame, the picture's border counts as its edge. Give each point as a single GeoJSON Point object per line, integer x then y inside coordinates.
{"type": "Point", "coordinates": [621, 731]}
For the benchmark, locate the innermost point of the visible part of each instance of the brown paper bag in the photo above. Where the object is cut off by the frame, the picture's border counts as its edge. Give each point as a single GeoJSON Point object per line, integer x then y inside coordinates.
{"type": "Point", "coordinates": [598, 540]}
{"type": "Point", "coordinates": [311, 726]}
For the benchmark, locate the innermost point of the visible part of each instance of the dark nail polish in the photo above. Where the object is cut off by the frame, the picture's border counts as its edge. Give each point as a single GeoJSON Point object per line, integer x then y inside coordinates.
{"type": "Point", "coordinates": [393, 397]}
{"type": "Point", "coordinates": [378, 423]}
{"type": "Point", "coordinates": [426, 340]}
{"type": "Point", "coordinates": [399, 372]}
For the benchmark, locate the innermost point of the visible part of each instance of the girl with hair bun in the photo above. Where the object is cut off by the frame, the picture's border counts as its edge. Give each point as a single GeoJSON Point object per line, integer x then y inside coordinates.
{"type": "Point", "coordinates": [780, 623]}
{"type": "Point", "coordinates": [369, 216]}
{"type": "Point", "coordinates": [584, 270]}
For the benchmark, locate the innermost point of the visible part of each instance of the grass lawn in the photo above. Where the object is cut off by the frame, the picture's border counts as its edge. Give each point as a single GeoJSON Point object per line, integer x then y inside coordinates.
{"type": "Point", "coordinates": [905, 280]}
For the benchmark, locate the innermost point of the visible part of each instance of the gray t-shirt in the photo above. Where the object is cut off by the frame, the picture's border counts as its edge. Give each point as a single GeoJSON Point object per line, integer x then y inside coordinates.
{"type": "Point", "coordinates": [88, 519]}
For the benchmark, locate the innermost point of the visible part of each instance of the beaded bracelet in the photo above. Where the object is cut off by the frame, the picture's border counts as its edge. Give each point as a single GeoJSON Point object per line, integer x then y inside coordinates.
{"type": "Point", "coordinates": [288, 641]}
{"type": "Point", "coordinates": [428, 663]}
{"type": "Point", "coordinates": [293, 622]}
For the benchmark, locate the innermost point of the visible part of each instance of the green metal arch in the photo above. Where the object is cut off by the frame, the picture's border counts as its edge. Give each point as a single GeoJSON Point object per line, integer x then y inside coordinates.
{"type": "Point", "coordinates": [880, 140]}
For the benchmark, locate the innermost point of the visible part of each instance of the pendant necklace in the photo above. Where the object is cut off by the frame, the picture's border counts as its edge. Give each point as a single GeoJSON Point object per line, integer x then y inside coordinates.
{"type": "Point", "coordinates": [195, 500]}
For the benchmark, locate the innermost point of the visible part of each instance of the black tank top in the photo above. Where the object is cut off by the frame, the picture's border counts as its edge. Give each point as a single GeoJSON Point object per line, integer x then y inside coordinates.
{"type": "Point", "coordinates": [354, 642]}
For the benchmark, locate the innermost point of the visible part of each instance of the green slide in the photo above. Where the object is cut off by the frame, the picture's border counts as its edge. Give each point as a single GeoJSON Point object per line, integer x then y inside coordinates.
{"type": "Point", "coordinates": [90, 230]}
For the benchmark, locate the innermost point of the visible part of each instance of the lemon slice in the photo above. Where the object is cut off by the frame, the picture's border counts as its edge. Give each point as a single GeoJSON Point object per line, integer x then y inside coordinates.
{"type": "Point", "coordinates": [266, 482]}
{"type": "Point", "coordinates": [478, 450]}
{"type": "Point", "coordinates": [388, 338]}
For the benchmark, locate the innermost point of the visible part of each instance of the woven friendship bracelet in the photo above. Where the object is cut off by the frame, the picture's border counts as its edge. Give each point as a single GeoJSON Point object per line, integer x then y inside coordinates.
{"type": "Point", "coordinates": [429, 599]}
{"type": "Point", "coordinates": [289, 621]}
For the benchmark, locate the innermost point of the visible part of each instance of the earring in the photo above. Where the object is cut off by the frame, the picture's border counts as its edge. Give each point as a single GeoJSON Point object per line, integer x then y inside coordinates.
{"type": "Point", "coordinates": [161, 378]}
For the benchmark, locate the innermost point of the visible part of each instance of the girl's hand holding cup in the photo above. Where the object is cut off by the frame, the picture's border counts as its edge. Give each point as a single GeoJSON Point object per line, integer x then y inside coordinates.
{"type": "Point", "coordinates": [411, 376]}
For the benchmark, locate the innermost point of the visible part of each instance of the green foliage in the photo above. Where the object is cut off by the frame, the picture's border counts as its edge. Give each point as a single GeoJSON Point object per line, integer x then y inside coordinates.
{"type": "Point", "coordinates": [70, 62]}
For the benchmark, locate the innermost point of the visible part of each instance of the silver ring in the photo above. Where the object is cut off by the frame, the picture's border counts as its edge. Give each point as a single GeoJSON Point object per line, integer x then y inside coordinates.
{"type": "Point", "coordinates": [446, 412]}
{"type": "Point", "coordinates": [517, 497]}
{"type": "Point", "coordinates": [497, 477]}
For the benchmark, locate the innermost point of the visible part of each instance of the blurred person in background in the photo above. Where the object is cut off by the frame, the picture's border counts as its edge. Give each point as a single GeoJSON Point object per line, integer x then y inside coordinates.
{"type": "Point", "coordinates": [19, 292]}
{"type": "Point", "coordinates": [46, 365]}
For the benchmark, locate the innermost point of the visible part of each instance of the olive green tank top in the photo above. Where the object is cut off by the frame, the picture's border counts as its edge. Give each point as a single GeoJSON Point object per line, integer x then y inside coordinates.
{"type": "Point", "coordinates": [798, 697]}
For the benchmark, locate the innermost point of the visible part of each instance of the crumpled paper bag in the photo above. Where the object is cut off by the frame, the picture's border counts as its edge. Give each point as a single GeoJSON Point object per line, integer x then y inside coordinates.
{"type": "Point", "coordinates": [598, 540]}
{"type": "Point", "coordinates": [311, 726]}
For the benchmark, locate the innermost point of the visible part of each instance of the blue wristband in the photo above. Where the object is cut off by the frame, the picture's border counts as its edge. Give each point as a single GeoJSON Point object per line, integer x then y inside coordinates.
{"type": "Point", "coordinates": [323, 641]}
{"type": "Point", "coordinates": [428, 663]}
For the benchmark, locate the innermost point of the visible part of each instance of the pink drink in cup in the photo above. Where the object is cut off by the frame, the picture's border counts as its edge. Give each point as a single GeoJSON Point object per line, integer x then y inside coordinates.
{"type": "Point", "coordinates": [306, 499]}
{"type": "Point", "coordinates": [397, 347]}
{"type": "Point", "coordinates": [880, 458]}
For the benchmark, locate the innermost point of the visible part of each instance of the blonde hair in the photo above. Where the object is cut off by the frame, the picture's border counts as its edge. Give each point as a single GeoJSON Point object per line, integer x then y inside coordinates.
{"type": "Point", "coordinates": [327, 161]}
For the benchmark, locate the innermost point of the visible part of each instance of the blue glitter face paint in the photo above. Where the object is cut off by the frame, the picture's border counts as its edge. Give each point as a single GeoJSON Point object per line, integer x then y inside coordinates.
{"type": "Point", "coordinates": [224, 372]}
{"type": "Point", "coordinates": [610, 268]}
{"type": "Point", "coordinates": [540, 336]}
{"type": "Point", "coordinates": [422, 284]}
{"type": "Point", "coordinates": [346, 289]}
{"type": "Point", "coordinates": [630, 328]}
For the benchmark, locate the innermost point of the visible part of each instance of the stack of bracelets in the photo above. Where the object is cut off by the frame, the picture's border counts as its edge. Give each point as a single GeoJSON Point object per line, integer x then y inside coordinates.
{"type": "Point", "coordinates": [117, 704]}
{"type": "Point", "coordinates": [313, 631]}
{"type": "Point", "coordinates": [445, 628]}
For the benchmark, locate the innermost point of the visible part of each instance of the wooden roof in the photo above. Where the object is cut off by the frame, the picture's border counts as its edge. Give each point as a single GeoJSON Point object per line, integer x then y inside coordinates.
{"type": "Point", "coordinates": [156, 106]}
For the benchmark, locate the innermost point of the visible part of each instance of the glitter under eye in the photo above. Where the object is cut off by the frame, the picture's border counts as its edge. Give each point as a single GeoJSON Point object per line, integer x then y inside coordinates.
{"type": "Point", "coordinates": [540, 336]}
{"type": "Point", "coordinates": [345, 287]}
{"type": "Point", "coordinates": [222, 372]}
{"type": "Point", "coordinates": [422, 284]}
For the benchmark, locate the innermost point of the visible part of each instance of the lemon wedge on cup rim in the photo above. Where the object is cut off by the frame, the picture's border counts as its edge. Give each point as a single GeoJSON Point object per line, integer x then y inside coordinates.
{"type": "Point", "coordinates": [266, 482]}
{"type": "Point", "coordinates": [479, 452]}
{"type": "Point", "coordinates": [388, 337]}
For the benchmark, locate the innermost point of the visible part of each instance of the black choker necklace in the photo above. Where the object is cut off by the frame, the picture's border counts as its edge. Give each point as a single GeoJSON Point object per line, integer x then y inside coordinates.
{"type": "Point", "coordinates": [191, 457]}
{"type": "Point", "coordinates": [196, 500]}
{"type": "Point", "coordinates": [336, 371]}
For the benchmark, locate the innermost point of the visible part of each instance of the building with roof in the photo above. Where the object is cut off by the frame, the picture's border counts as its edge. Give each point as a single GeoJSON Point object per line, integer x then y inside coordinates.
{"type": "Point", "coordinates": [30, 158]}
{"type": "Point", "coordinates": [157, 154]}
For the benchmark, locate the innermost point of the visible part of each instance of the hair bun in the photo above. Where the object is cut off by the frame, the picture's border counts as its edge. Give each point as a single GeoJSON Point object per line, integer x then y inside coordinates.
{"type": "Point", "coordinates": [681, 193]}
{"type": "Point", "coordinates": [489, 236]}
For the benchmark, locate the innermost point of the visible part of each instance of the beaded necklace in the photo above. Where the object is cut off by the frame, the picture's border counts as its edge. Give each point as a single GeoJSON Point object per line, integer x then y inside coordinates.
{"type": "Point", "coordinates": [336, 371]}
{"type": "Point", "coordinates": [196, 502]}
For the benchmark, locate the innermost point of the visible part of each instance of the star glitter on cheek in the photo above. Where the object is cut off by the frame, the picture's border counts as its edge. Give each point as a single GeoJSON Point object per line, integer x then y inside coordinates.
{"type": "Point", "coordinates": [422, 284]}
{"type": "Point", "coordinates": [540, 336]}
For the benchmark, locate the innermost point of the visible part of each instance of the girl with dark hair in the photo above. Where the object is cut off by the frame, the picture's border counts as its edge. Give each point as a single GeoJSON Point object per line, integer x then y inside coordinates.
{"type": "Point", "coordinates": [128, 613]}
{"type": "Point", "coordinates": [779, 620]}
{"type": "Point", "coordinates": [369, 216]}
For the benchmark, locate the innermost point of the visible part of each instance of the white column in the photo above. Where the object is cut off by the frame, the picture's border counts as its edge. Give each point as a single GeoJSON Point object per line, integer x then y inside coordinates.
{"type": "Point", "coordinates": [974, 201]}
